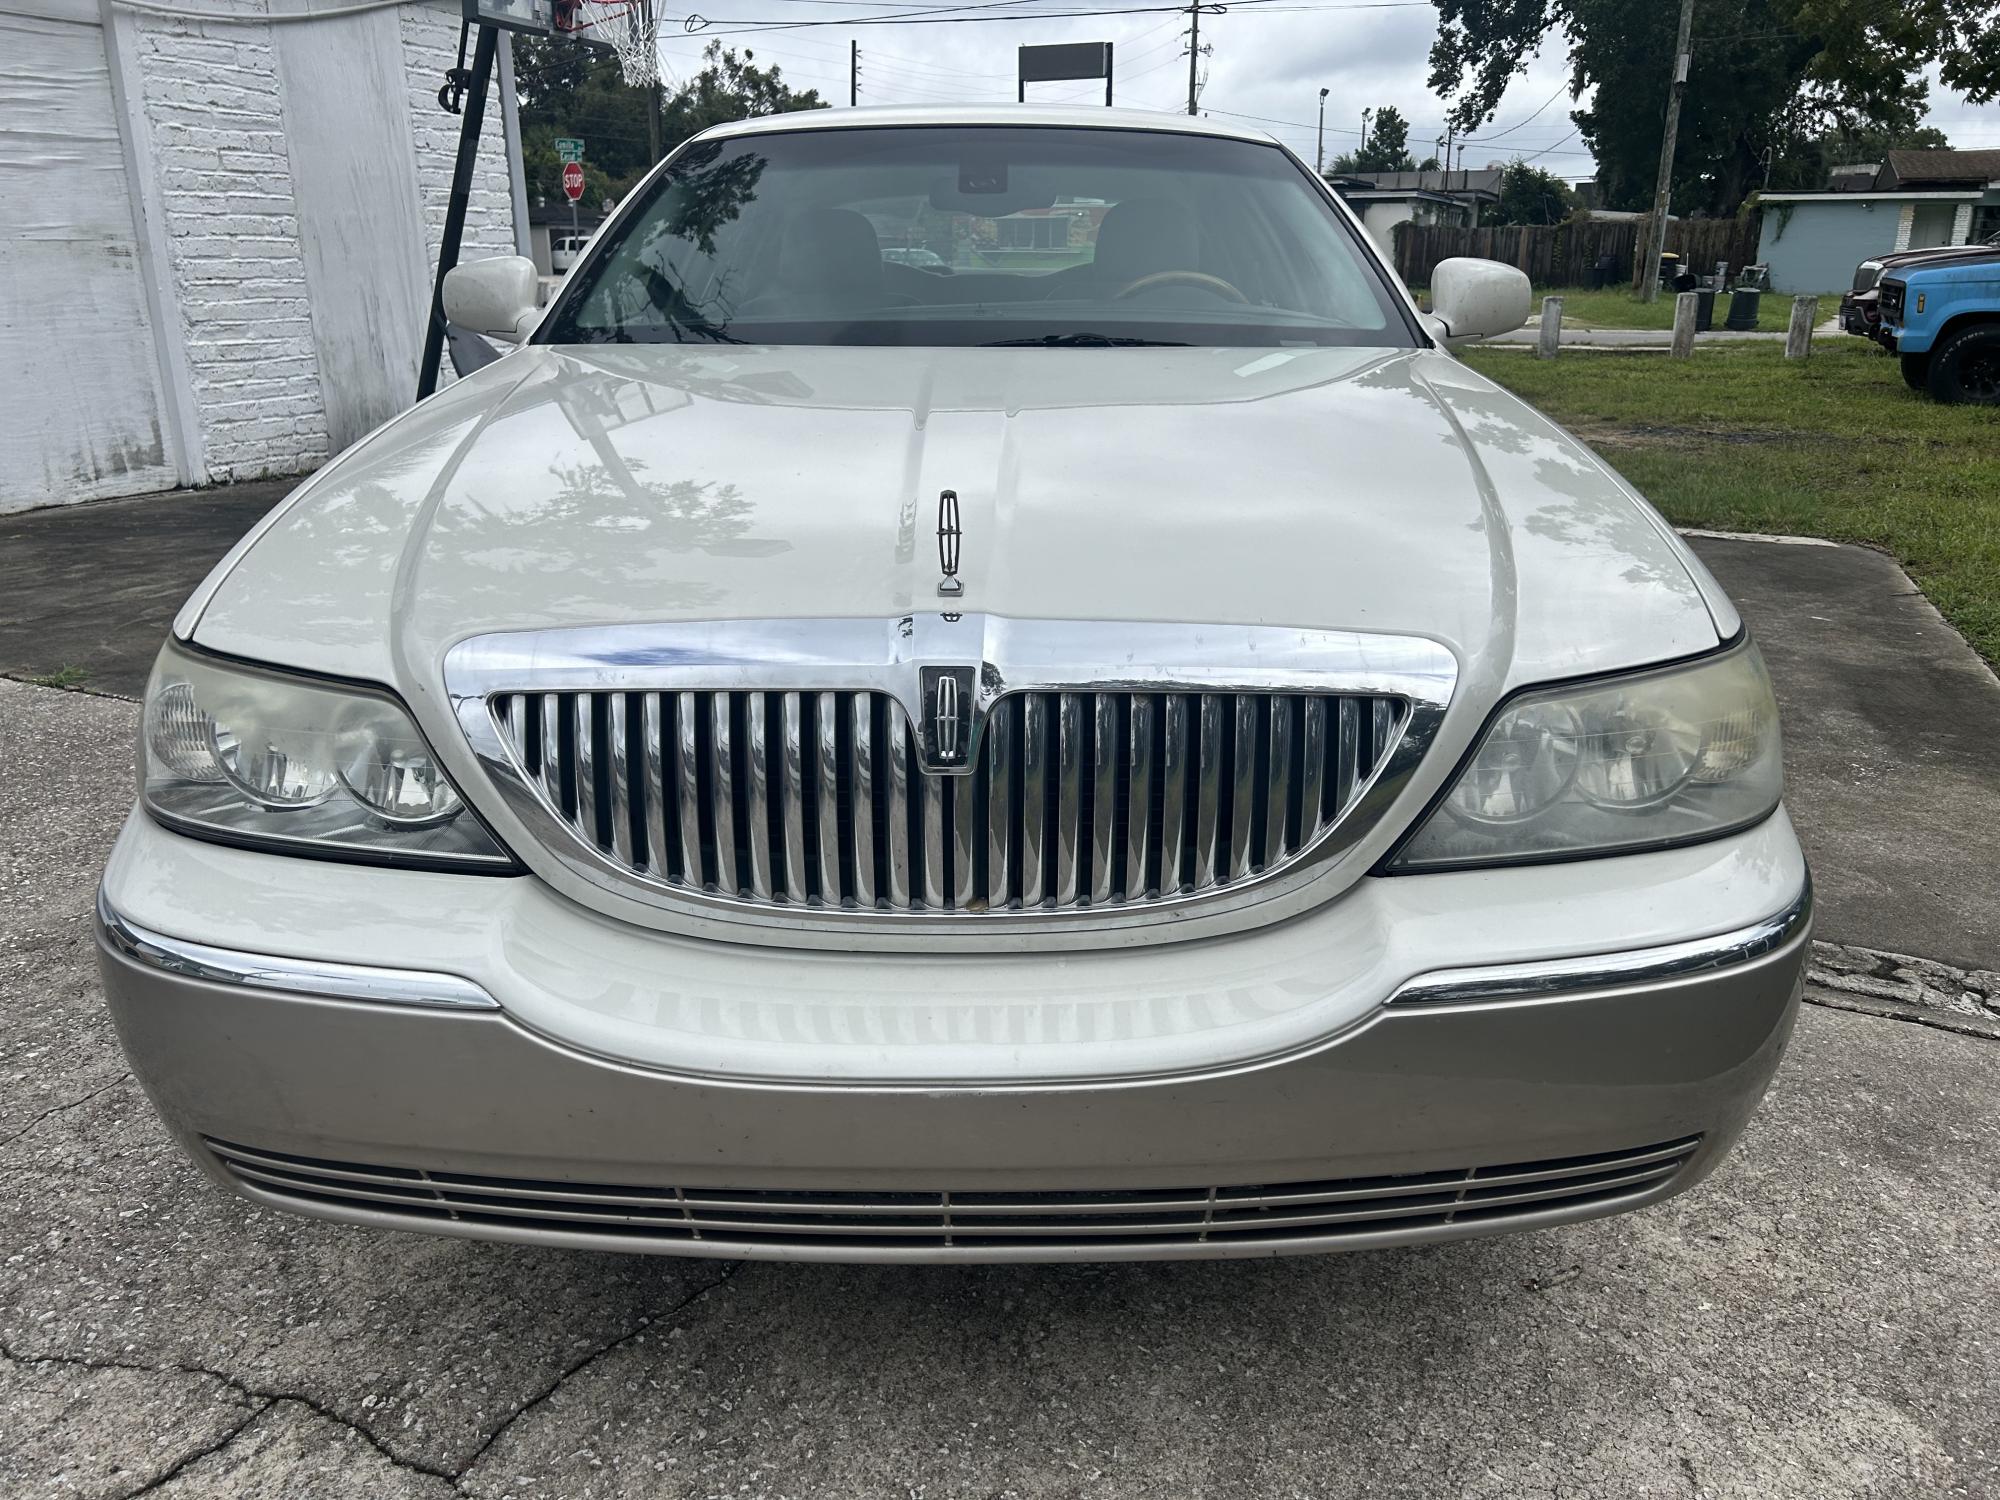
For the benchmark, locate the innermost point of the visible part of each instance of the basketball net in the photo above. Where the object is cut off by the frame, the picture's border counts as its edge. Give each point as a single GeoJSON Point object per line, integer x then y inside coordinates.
{"type": "Point", "coordinates": [627, 27]}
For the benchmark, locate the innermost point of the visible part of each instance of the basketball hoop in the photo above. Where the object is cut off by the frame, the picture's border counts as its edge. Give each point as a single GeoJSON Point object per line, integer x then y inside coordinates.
{"type": "Point", "coordinates": [628, 27]}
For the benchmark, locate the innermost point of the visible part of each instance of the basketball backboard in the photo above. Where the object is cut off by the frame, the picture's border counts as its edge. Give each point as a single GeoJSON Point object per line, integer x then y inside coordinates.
{"type": "Point", "coordinates": [536, 17]}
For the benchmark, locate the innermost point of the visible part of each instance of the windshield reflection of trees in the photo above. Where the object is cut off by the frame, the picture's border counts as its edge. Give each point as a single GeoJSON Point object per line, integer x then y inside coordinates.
{"type": "Point", "coordinates": [706, 193]}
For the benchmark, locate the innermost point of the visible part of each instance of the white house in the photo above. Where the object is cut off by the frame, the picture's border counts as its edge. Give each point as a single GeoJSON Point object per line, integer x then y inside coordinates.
{"type": "Point", "coordinates": [1386, 199]}
{"type": "Point", "coordinates": [221, 221]}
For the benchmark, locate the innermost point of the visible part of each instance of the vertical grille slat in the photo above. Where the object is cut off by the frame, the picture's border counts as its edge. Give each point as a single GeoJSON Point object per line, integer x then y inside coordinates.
{"type": "Point", "coordinates": [552, 750]}
{"type": "Point", "coordinates": [1210, 791]}
{"type": "Point", "coordinates": [656, 752]}
{"type": "Point", "coordinates": [931, 853]}
{"type": "Point", "coordinates": [757, 794]}
{"type": "Point", "coordinates": [1312, 787]}
{"type": "Point", "coordinates": [892, 751]}
{"type": "Point", "coordinates": [1140, 805]}
{"type": "Point", "coordinates": [826, 713]}
{"type": "Point", "coordinates": [859, 714]}
{"type": "Point", "coordinates": [782, 798]}
{"type": "Point", "coordinates": [1069, 798]}
{"type": "Point", "coordinates": [965, 893]}
{"type": "Point", "coordinates": [1174, 794]}
{"type": "Point", "coordinates": [1243, 790]}
{"type": "Point", "coordinates": [1034, 798]}
{"type": "Point", "coordinates": [1347, 753]}
{"type": "Point", "coordinates": [722, 792]}
{"type": "Point", "coordinates": [1105, 751]}
{"type": "Point", "coordinates": [1000, 806]}
{"type": "Point", "coordinates": [1279, 780]}
{"type": "Point", "coordinates": [583, 728]}
{"type": "Point", "coordinates": [687, 789]}
{"type": "Point", "coordinates": [625, 790]}
{"type": "Point", "coordinates": [792, 796]}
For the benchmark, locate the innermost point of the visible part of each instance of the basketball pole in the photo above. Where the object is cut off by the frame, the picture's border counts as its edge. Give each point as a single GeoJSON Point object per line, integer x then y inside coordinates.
{"type": "Point", "coordinates": [461, 197]}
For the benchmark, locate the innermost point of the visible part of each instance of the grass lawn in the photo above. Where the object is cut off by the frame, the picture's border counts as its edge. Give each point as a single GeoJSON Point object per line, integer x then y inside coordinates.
{"type": "Point", "coordinates": [1740, 439]}
{"type": "Point", "coordinates": [1615, 307]}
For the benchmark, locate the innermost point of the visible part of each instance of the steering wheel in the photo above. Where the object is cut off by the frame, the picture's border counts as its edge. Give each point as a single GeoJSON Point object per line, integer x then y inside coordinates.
{"type": "Point", "coordinates": [1196, 278]}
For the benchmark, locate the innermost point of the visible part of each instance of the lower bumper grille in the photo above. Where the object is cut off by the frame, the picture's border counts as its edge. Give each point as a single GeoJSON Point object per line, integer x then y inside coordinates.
{"type": "Point", "coordinates": [627, 1216]}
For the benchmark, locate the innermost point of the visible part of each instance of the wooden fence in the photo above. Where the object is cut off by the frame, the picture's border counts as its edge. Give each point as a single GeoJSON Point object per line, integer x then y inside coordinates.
{"type": "Point", "coordinates": [1566, 254]}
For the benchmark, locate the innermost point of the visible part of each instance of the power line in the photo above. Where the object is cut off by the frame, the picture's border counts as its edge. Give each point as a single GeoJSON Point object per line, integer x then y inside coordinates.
{"type": "Point", "coordinates": [955, 15]}
{"type": "Point", "coordinates": [1480, 140]}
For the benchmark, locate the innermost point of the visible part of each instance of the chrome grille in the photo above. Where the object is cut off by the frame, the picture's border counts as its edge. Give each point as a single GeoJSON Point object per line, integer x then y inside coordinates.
{"type": "Point", "coordinates": [1325, 1213]}
{"type": "Point", "coordinates": [1074, 799]}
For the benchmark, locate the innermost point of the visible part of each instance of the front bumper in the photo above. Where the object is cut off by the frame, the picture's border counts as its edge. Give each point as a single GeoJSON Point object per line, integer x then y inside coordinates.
{"type": "Point", "coordinates": [1467, 1098]}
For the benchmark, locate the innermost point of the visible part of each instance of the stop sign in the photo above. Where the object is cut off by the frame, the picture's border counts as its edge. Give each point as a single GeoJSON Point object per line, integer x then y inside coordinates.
{"type": "Point", "coordinates": [573, 180]}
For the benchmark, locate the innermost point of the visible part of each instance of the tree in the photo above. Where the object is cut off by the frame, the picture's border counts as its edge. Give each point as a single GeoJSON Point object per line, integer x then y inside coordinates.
{"type": "Point", "coordinates": [1801, 163]}
{"type": "Point", "coordinates": [1528, 195]}
{"type": "Point", "coordinates": [730, 87]}
{"type": "Point", "coordinates": [571, 88]}
{"type": "Point", "coordinates": [1764, 73]}
{"type": "Point", "coordinates": [1387, 148]}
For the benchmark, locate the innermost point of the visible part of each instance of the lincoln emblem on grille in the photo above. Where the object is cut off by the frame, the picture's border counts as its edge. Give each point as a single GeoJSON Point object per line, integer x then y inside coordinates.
{"type": "Point", "coordinates": [945, 718]}
{"type": "Point", "coordinates": [948, 535]}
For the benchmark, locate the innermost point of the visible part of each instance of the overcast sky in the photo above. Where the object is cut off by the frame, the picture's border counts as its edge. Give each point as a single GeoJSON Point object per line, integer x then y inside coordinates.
{"type": "Point", "coordinates": [1270, 60]}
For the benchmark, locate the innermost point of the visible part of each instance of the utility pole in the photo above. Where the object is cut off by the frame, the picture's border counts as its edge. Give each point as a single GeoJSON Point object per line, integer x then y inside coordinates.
{"type": "Point", "coordinates": [1194, 49]}
{"type": "Point", "coordinates": [1363, 147]}
{"type": "Point", "coordinates": [853, 73]}
{"type": "Point", "coordinates": [1649, 271]}
{"type": "Point", "coordinates": [1319, 149]}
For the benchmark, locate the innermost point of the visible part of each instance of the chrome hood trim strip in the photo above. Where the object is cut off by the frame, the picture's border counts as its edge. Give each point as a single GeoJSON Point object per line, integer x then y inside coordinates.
{"type": "Point", "coordinates": [292, 976]}
{"type": "Point", "coordinates": [1554, 978]}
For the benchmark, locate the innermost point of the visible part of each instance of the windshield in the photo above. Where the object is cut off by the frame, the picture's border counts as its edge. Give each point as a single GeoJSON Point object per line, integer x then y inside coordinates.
{"type": "Point", "coordinates": [957, 235]}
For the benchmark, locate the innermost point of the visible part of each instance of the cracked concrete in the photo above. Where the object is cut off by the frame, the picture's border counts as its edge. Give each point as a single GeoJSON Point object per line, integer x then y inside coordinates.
{"type": "Point", "coordinates": [1819, 1319]}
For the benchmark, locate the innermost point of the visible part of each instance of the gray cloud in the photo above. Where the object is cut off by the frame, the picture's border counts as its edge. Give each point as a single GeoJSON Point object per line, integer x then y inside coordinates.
{"type": "Point", "coordinates": [1267, 62]}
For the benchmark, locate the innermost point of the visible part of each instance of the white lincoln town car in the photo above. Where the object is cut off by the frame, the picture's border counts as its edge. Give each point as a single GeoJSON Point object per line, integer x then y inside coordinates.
{"type": "Point", "coordinates": [1101, 740]}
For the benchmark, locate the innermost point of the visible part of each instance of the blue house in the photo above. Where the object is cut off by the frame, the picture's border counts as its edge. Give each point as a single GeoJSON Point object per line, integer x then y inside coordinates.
{"type": "Point", "coordinates": [1915, 199]}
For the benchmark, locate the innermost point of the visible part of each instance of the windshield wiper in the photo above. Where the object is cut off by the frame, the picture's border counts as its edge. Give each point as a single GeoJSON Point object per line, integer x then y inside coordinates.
{"type": "Point", "coordinates": [1083, 341]}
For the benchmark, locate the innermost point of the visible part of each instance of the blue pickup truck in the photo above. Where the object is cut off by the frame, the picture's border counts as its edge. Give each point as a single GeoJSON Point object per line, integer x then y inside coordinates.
{"type": "Point", "coordinates": [1943, 320]}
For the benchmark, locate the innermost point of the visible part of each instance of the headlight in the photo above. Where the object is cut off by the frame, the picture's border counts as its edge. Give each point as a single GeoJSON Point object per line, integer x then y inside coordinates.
{"type": "Point", "coordinates": [1663, 757]}
{"type": "Point", "coordinates": [257, 757]}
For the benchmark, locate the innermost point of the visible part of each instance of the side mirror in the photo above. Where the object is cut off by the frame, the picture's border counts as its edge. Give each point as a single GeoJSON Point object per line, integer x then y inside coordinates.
{"type": "Point", "coordinates": [496, 297]}
{"type": "Point", "coordinates": [1475, 299]}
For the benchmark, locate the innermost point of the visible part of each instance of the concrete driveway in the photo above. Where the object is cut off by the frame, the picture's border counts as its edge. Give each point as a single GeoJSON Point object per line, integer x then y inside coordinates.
{"type": "Point", "coordinates": [1822, 1318]}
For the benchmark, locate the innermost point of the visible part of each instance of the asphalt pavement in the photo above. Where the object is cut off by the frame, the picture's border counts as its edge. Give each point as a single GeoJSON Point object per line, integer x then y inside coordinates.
{"type": "Point", "coordinates": [1820, 1318]}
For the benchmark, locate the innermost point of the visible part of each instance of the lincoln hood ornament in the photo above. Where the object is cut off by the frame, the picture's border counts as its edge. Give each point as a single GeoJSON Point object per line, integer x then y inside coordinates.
{"type": "Point", "coordinates": [948, 536]}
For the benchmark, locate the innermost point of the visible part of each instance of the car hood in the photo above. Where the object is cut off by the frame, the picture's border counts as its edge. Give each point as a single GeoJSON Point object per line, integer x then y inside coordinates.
{"type": "Point", "coordinates": [1367, 490]}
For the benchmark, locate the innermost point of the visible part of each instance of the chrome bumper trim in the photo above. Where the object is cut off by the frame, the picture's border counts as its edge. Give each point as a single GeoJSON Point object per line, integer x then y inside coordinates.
{"type": "Point", "coordinates": [1554, 978]}
{"type": "Point", "coordinates": [294, 976]}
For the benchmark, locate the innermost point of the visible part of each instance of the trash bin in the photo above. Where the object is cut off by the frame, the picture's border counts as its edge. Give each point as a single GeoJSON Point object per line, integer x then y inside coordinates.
{"type": "Point", "coordinates": [1704, 310]}
{"type": "Point", "coordinates": [1743, 309]}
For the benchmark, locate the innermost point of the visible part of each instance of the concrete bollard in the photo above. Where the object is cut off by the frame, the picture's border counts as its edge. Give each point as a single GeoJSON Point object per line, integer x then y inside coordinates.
{"type": "Point", "coordinates": [1686, 306]}
{"type": "Point", "coordinates": [1798, 337]}
{"type": "Point", "coordinates": [1552, 323]}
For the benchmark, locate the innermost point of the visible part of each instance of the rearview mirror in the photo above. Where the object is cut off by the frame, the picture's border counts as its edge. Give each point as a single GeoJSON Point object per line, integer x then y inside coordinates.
{"type": "Point", "coordinates": [495, 297]}
{"type": "Point", "coordinates": [1475, 299]}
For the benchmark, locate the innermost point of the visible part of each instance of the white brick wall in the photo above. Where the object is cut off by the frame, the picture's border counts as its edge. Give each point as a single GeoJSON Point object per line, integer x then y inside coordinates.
{"type": "Point", "coordinates": [216, 121]}
{"type": "Point", "coordinates": [214, 112]}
